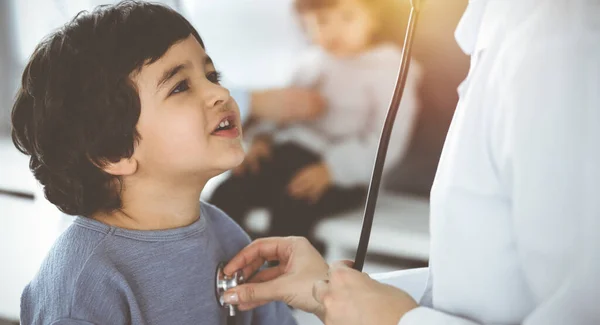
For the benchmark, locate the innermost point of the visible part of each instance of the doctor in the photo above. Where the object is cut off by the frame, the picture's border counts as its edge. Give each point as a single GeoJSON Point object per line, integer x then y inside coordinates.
{"type": "Point", "coordinates": [515, 209]}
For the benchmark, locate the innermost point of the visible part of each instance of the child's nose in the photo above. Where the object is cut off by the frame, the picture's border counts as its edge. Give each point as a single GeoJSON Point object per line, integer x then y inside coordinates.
{"type": "Point", "coordinates": [332, 43]}
{"type": "Point", "coordinates": [216, 95]}
{"type": "Point", "coordinates": [332, 38]}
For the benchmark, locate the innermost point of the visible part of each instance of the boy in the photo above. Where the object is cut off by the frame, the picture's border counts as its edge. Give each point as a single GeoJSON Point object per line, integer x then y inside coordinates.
{"type": "Point", "coordinates": [125, 121]}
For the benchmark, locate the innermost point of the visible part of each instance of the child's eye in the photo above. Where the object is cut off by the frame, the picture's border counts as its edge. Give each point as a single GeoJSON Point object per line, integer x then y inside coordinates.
{"type": "Point", "coordinates": [181, 87]}
{"type": "Point", "coordinates": [214, 77]}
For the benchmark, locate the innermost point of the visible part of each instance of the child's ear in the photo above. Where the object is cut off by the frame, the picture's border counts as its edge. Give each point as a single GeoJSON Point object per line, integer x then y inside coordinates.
{"type": "Point", "coordinates": [123, 167]}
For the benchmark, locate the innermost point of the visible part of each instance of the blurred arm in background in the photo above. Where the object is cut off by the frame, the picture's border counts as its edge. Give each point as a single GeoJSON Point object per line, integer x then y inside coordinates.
{"type": "Point", "coordinates": [279, 105]}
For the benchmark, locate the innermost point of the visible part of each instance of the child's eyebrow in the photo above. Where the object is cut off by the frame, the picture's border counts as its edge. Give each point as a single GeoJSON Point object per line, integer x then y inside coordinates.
{"type": "Point", "coordinates": [208, 60]}
{"type": "Point", "coordinates": [170, 73]}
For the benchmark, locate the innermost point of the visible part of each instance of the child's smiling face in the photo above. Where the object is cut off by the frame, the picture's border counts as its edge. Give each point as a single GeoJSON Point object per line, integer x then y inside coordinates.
{"type": "Point", "coordinates": [189, 126]}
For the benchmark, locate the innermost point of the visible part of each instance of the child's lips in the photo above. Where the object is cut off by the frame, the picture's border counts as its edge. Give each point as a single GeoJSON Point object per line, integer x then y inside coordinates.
{"type": "Point", "coordinates": [227, 127]}
{"type": "Point", "coordinates": [223, 119]}
{"type": "Point", "coordinates": [229, 133]}
{"type": "Point", "coordinates": [228, 120]}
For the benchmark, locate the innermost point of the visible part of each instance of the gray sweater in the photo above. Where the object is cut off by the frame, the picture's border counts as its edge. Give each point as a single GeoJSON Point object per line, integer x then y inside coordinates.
{"type": "Point", "coordinates": [98, 274]}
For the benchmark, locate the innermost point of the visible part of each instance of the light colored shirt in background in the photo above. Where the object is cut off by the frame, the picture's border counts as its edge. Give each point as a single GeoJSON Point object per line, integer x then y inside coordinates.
{"type": "Point", "coordinates": [358, 92]}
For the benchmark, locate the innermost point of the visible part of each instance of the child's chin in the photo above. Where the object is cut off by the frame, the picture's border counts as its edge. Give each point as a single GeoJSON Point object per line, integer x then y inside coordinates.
{"type": "Point", "coordinates": [233, 162]}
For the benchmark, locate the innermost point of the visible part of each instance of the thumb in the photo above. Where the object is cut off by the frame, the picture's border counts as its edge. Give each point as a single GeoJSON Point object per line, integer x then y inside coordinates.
{"type": "Point", "coordinates": [320, 289]}
{"type": "Point", "coordinates": [252, 293]}
{"type": "Point", "coordinates": [347, 263]}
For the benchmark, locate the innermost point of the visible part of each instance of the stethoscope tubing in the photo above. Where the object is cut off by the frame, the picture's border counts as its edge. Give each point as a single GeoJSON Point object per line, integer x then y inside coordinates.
{"type": "Point", "coordinates": [384, 140]}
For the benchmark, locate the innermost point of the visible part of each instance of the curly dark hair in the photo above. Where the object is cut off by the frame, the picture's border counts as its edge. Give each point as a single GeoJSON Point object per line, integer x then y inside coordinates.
{"type": "Point", "coordinates": [77, 107]}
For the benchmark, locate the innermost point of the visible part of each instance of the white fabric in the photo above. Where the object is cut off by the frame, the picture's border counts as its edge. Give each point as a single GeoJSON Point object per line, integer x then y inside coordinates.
{"type": "Point", "coordinates": [358, 92]}
{"type": "Point", "coordinates": [468, 28]}
{"type": "Point", "coordinates": [514, 207]}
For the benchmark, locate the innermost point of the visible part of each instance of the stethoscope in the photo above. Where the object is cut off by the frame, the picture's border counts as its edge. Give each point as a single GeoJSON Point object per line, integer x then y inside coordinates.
{"type": "Point", "coordinates": [224, 283]}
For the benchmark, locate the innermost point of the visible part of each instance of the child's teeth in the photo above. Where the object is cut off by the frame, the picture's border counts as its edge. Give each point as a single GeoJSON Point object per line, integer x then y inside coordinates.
{"type": "Point", "coordinates": [227, 123]}
{"type": "Point", "coordinates": [222, 124]}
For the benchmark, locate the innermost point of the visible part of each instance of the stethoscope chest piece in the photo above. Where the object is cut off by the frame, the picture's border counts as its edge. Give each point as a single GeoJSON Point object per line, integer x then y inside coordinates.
{"type": "Point", "coordinates": [223, 283]}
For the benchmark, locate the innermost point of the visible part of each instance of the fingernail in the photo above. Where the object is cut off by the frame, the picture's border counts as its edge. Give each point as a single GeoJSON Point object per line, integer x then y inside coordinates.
{"type": "Point", "coordinates": [232, 298]}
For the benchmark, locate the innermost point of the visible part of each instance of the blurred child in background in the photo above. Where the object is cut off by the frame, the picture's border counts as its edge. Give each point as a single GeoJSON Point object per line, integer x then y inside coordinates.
{"type": "Point", "coordinates": [304, 171]}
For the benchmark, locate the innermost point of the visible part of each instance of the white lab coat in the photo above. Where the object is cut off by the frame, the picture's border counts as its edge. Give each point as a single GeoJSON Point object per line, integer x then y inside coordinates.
{"type": "Point", "coordinates": [515, 207]}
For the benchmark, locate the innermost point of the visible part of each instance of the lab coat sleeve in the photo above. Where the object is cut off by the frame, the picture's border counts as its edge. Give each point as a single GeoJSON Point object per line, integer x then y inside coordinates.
{"type": "Point", "coordinates": [351, 162]}
{"type": "Point", "coordinates": [551, 107]}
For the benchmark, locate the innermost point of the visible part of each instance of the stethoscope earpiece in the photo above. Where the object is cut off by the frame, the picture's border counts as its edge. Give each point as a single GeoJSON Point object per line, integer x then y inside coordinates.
{"type": "Point", "coordinates": [223, 283]}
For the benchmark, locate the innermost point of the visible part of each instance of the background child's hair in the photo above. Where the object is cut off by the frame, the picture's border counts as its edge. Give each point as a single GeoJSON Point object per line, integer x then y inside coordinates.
{"type": "Point", "coordinates": [77, 107]}
{"type": "Point", "coordinates": [392, 16]}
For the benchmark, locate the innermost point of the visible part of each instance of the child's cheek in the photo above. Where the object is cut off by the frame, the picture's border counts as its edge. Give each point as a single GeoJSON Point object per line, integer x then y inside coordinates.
{"type": "Point", "coordinates": [171, 133]}
{"type": "Point", "coordinates": [182, 131]}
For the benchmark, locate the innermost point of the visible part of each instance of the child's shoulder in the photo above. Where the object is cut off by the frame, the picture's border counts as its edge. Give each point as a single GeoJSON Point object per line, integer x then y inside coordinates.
{"type": "Point", "coordinates": [59, 273]}
{"type": "Point", "coordinates": [216, 216]}
{"type": "Point", "coordinates": [232, 236]}
{"type": "Point", "coordinates": [74, 248]}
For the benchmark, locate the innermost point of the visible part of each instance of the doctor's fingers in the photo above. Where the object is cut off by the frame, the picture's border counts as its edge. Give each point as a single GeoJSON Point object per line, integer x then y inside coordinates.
{"type": "Point", "coordinates": [268, 274]}
{"type": "Point", "coordinates": [254, 266]}
{"type": "Point", "coordinates": [338, 275]}
{"type": "Point", "coordinates": [252, 257]}
{"type": "Point", "coordinates": [246, 307]}
{"type": "Point", "coordinates": [343, 266]}
{"type": "Point", "coordinates": [333, 302]}
{"type": "Point", "coordinates": [320, 291]}
{"type": "Point", "coordinates": [251, 295]}
{"type": "Point", "coordinates": [341, 273]}
{"type": "Point", "coordinates": [342, 263]}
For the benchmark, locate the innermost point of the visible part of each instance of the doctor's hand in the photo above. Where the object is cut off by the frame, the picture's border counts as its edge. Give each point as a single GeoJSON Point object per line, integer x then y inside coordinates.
{"type": "Point", "coordinates": [300, 266]}
{"type": "Point", "coordinates": [350, 297]}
